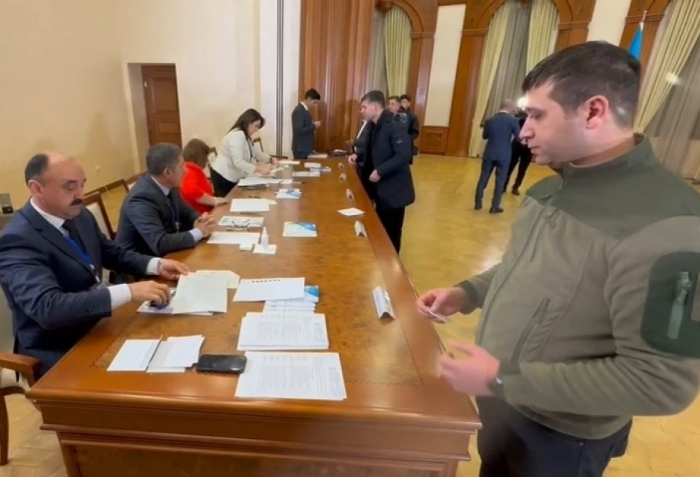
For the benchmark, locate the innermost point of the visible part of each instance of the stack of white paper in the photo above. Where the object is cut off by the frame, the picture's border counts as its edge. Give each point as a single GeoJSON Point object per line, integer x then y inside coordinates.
{"type": "Point", "coordinates": [310, 173]}
{"type": "Point", "coordinates": [257, 181]}
{"type": "Point", "coordinates": [250, 205]}
{"type": "Point", "coordinates": [200, 292]}
{"type": "Point", "coordinates": [283, 331]}
{"type": "Point", "coordinates": [270, 289]}
{"type": "Point", "coordinates": [234, 238]}
{"type": "Point", "coordinates": [288, 194]}
{"type": "Point", "coordinates": [312, 165]}
{"type": "Point", "coordinates": [292, 376]}
{"type": "Point", "coordinates": [174, 355]}
{"type": "Point", "coordinates": [299, 229]}
{"type": "Point", "coordinates": [305, 304]}
{"type": "Point", "coordinates": [241, 221]}
{"type": "Point", "coordinates": [288, 162]}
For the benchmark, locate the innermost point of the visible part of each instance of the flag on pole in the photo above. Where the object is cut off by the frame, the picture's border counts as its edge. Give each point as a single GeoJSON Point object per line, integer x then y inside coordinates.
{"type": "Point", "coordinates": [635, 48]}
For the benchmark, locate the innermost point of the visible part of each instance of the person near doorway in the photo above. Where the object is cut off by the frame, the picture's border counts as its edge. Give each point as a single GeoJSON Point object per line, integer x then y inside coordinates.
{"type": "Point", "coordinates": [499, 132]}
{"type": "Point", "coordinates": [304, 127]}
{"type": "Point", "coordinates": [590, 317]}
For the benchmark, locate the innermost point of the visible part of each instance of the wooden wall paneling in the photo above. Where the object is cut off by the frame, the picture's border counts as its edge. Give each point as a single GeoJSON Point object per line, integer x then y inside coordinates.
{"type": "Point", "coordinates": [451, 2]}
{"type": "Point", "coordinates": [656, 9]}
{"type": "Point", "coordinates": [574, 17]}
{"type": "Point", "coordinates": [433, 139]}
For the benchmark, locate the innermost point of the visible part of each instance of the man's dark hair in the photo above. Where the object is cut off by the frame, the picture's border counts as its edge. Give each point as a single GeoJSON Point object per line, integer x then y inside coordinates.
{"type": "Point", "coordinates": [589, 69]}
{"type": "Point", "coordinates": [162, 156]}
{"type": "Point", "coordinates": [395, 98]}
{"type": "Point", "coordinates": [36, 167]}
{"type": "Point", "coordinates": [248, 117]}
{"type": "Point", "coordinates": [374, 96]}
{"type": "Point", "coordinates": [406, 97]}
{"type": "Point", "coordinates": [313, 95]}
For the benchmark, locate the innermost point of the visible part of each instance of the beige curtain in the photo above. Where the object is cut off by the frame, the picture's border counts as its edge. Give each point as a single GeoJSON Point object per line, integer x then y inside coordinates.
{"type": "Point", "coordinates": [673, 131]}
{"type": "Point", "coordinates": [544, 20]}
{"type": "Point", "coordinates": [397, 43]}
{"type": "Point", "coordinates": [510, 71]}
{"type": "Point", "coordinates": [377, 55]}
{"type": "Point", "coordinates": [492, 49]}
{"type": "Point", "coordinates": [682, 31]}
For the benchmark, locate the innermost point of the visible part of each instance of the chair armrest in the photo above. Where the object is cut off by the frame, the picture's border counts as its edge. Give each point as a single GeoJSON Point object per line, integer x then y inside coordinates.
{"type": "Point", "coordinates": [24, 365]}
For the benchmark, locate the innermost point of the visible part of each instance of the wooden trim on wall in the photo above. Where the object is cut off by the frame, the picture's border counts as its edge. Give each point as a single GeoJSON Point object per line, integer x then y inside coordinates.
{"type": "Point", "coordinates": [333, 32]}
{"type": "Point", "coordinates": [433, 139]}
{"type": "Point", "coordinates": [442, 3]}
{"type": "Point", "coordinates": [574, 17]}
{"type": "Point", "coordinates": [656, 9]}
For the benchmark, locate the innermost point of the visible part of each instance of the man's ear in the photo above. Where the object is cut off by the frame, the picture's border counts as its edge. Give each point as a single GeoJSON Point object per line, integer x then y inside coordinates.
{"type": "Point", "coordinates": [596, 108]}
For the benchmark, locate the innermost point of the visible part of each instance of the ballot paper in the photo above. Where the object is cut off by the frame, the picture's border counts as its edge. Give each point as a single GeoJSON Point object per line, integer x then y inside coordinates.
{"type": "Point", "coordinates": [299, 229]}
{"type": "Point", "coordinates": [283, 331]}
{"type": "Point", "coordinates": [297, 375]}
{"type": "Point", "coordinates": [173, 355]}
{"type": "Point", "coordinates": [229, 276]}
{"type": "Point", "coordinates": [176, 354]}
{"type": "Point", "coordinates": [269, 289]}
{"type": "Point", "coordinates": [288, 194]}
{"type": "Point", "coordinates": [147, 307]}
{"type": "Point", "coordinates": [305, 304]}
{"type": "Point", "coordinates": [351, 212]}
{"type": "Point", "coordinates": [197, 293]}
{"type": "Point", "coordinates": [257, 181]}
{"type": "Point", "coordinates": [239, 221]}
{"type": "Point", "coordinates": [312, 165]}
{"type": "Point", "coordinates": [250, 205]}
{"type": "Point", "coordinates": [233, 238]}
{"type": "Point", "coordinates": [311, 173]}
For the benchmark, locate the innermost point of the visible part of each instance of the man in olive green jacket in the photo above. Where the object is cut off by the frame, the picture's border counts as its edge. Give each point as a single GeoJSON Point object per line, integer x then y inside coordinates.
{"type": "Point", "coordinates": [593, 314]}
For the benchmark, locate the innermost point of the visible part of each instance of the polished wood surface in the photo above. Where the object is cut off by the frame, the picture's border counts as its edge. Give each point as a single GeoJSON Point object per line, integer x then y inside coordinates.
{"type": "Point", "coordinates": [399, 415]}
{"type": "Point", "coordinates": [655, 11]}
{"type": "Point", "coordinates": [433, 139]}
{"type": "Point", "coordinates": [574, 17]}
{"type": "Point", "coordinates": [335, 49]}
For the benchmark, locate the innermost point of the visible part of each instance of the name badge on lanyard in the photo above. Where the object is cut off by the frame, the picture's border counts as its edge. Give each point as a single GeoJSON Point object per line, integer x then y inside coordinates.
{"type": "Point", "coordinates": [85, 258]}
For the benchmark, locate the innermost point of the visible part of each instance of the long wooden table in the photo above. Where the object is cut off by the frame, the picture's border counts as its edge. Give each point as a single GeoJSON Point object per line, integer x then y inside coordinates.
{"type": "Point", "coordinates": [400, 418]}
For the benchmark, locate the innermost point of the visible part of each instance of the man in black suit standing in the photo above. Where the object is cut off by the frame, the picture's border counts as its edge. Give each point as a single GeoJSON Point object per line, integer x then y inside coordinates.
{"type": "Point", "coordinates": [521, 158]}
{"type": "Point", "coordinates": [499, 130]}
{"type": "Point", "coordinates": [386, 164]}
{"type": "Point", "coordinates": [154, 218]}
{"type": "Point", "coordinates": [304, 126]}
{"type": "Point", "coordinates": [52, 256]}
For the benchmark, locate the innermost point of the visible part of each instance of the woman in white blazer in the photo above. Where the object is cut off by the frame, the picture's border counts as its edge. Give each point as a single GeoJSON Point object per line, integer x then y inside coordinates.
{"type": "Point", "coordinates": [238, 157]}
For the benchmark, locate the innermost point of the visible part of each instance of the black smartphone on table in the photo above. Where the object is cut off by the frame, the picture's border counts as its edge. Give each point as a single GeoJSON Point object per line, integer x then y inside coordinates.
{"type": "Point", "coordinates": [221, 363]}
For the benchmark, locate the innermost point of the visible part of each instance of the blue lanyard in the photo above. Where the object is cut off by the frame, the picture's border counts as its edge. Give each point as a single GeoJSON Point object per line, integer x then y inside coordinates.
{"type": "Point", "coordinates": [83, 254]}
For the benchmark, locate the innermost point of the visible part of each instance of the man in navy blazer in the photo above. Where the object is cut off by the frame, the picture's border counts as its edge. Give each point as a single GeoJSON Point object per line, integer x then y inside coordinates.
{"type": "Point", "coordinates": [304, 127]}
{"type": "Point", "coordinates": [499, 131]}
{"type": "Point", "coordinates": [52, 256]}
{"type": "Point", "coordinates": [154, 219]}
{"type": "Point", "coordinates": [387, 165]}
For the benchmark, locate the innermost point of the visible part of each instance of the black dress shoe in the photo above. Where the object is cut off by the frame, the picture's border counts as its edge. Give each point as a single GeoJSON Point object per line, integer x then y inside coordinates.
{"type": "Point", "coordinates": [478, 207]}
{"type": "Point", "coordinates": [516, 192]}
{"type": "Point", "coordinates": [495, 211]}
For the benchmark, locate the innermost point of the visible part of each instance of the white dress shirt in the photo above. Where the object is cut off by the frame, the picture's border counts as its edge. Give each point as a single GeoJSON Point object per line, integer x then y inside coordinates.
{"type": "Point", "coordinates": [195, 232]}
{"type": "Point", "coordinates": [119, 294]}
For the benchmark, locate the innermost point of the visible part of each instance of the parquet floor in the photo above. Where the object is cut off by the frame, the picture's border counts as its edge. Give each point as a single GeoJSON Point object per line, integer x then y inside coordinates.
{"type": "Point", "coordinates": [445, 241]}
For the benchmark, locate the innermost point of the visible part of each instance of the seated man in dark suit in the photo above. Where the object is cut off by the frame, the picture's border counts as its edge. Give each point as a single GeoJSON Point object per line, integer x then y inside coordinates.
{"type": "Point", "coordinates": [154, 218]}
{"type": "Point", "coordinates": [52, 256]}
{"type": "Point", "coordinates": [499, 130]}
{"type": "Point", "coordinates": [304, 127]}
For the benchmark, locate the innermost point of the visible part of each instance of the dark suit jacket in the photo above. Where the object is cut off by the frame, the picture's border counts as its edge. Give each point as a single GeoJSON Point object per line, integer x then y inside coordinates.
{"type": "Point", "coordinates": [147, 223]}
{"type": "Point", "coordinates": [302, 132]}
{"type": "Point", "coordinates": [389, 153]}
{"type": "Point", "coordinates": [499, 130]}
{"type": "Point", "coordinates": [50, 290]}
{"type": "Point", "coordinates": [413, 129]}
{"type": "Point", "coordinates": [359, 147]}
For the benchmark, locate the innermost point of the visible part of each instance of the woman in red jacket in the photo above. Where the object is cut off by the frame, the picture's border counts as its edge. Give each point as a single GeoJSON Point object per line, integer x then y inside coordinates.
{"type": "Point", "coordinates": [196, 189]}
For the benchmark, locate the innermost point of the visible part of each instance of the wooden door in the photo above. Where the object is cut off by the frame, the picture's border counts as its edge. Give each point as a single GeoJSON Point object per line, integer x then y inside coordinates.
{"type": "Point", "coordinates": [162, 107]}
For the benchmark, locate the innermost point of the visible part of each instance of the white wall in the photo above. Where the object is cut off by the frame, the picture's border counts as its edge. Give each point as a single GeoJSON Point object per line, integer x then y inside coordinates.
{"type": "Point", "coordinates": [61, 89]}
{"type": "Point", "coordinates": [448, 36]}
{"type": "Point", "coordinates": [608, 20]}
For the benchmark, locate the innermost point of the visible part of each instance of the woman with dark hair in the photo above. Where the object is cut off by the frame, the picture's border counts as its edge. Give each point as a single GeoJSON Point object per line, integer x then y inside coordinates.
{"type": "Point", "coordinates": [196, 189]}
{"type": "Point", "coordinates": [237, 157]}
